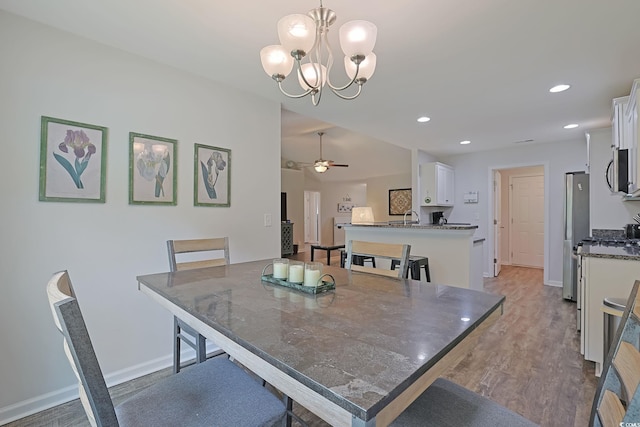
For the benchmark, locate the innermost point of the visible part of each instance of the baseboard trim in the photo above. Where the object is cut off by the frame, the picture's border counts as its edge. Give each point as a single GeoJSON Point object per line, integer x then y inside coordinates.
{"type": "Point", "coordinates": [553, 283]}
{"type": "Point", "coordinates": [45, 401]}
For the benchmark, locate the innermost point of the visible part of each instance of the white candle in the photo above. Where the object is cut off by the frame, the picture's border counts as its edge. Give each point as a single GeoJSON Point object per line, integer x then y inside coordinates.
{"type": "Point", "coordinates": [296, 273]}
{"type": "Point", "coordinates": [280, 270]}
{"type": "Point", "coordinates": [311, 277]}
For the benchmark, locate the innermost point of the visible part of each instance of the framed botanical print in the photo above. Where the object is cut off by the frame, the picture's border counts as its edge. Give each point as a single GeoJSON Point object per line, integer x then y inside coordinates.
{"type": "Point", "coordinates": [152, 170]}
{"type": "Point", "coordinates": [212, 176]}
{"type": "Point", "coordinates": [73, 159]}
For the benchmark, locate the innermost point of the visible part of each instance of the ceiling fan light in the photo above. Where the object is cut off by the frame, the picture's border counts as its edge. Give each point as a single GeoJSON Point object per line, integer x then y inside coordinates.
{"type": "Point", "coordinates": [297, 32]}
{"type": "Point", "coordinates": [367, 67]}
{"type": "Point", "coordinates": [320, 168]}
{"type": "Point", "coordinates": [310, 71]}
{"type": "Point", "coordinates": [358, 38]}
{"type": "Point", "coordinates": [276, 60]}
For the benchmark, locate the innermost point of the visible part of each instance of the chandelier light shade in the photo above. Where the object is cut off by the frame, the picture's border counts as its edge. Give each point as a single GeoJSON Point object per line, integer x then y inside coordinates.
{"type": "Point", "coordinates": [276, 60]}
{"type": "Point", "coordinates": [304, 43]}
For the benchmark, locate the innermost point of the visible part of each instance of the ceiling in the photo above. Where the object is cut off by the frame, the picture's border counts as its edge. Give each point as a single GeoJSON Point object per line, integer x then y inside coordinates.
{"type": "Point", "coordinates": [480, 69]}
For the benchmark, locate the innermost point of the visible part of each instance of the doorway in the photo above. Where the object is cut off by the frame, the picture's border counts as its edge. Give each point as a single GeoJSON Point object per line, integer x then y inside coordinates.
{"type": "Point", "coordinates": [518, 217]}
{"type": "Point", "coordinates": [312, 217]}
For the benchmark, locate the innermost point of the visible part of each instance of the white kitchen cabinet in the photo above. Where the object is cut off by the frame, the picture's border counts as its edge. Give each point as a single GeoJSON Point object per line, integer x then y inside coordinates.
{"type": "Point", "coordinates": [602, 278]}
{"type": "Point", "coordinates": [631, 135]}
{"type": "Point", "coordinates": [436, 184]}
{"type": "Point", "coordinates": [619, 137]}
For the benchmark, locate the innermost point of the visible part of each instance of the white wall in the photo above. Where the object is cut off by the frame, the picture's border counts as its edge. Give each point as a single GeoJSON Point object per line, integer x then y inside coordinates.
{"type": "Point", "coordinates": [332, 193]}
{"type": "Point", "coordinates": [104, 246]}
{"type": "Point", "coordinates": [610, 211]}
{"type": "Point", "coordinates": [473, 172]}
{"type": "Point", "coordinates": [378, 194]}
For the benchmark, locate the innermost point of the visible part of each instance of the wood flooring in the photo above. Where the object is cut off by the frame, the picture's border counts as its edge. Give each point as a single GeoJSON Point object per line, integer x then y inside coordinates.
{"type": "Point", "coordinates": [529, 361]}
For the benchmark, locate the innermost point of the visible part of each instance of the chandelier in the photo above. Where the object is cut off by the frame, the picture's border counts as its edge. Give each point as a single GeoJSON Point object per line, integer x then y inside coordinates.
{"type": "Point", "coordinates": [304, 41]}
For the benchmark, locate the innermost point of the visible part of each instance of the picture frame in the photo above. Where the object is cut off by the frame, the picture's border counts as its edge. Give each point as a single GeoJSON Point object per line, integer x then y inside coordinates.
{"type": "Point", "coordinates": [399, 201]}
{"type": "Point", "coordinates": [211, 176]}
{"type": "Point", "coordinates": [73, 159]}
{"type": "Point", "coordinates": [345, 207]}
{"type": "Point", "coordinates": [152, 170]}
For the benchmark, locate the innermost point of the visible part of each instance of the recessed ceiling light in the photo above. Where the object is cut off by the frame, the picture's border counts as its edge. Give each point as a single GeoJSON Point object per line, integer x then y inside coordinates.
{"type": "Point", "coordinates": [465, 142]}
{"type": "Point", "coordinates": [571, 126]}
{"type": "Point", "coordinates": [424, 119]}
{"type": "Point", "coordinates": [559, 88]}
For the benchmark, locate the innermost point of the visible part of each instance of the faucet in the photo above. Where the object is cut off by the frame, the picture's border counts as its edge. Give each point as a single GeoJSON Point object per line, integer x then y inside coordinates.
{"type": "Point", "coordinates": [404, 219]}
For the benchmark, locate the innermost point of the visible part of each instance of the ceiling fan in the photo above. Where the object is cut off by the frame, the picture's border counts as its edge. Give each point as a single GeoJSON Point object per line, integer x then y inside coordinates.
{"type": "Point", "coordinates": [321, 165]}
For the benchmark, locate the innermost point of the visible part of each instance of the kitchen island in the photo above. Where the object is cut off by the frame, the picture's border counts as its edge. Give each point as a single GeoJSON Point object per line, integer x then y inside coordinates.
{"type": "Point", "coordinates": [455, 255]}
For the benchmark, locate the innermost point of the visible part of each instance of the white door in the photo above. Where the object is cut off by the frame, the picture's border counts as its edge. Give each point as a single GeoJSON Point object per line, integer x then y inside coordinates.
{"type": "Point", "coordinates": [311, 217]}
{"type": "Point", "coordinates": [527, 220]}
{"type": "Point", "coordinates": [497, 221]}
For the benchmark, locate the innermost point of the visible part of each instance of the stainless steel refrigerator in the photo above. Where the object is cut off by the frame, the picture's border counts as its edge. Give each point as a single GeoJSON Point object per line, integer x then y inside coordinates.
{"type": "Point", "coordinates": [576, 228]}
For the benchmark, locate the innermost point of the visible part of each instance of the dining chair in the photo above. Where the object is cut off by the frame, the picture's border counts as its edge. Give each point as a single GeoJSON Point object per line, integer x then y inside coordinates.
{"type": "Point", "coordinates": [214, 393]}
{"type": "Point", "coordinates": [390, 251]}
{"type": "Point", "coordinates": [616, 402]}
{"type": "Point", "coordinates": [181, 257]}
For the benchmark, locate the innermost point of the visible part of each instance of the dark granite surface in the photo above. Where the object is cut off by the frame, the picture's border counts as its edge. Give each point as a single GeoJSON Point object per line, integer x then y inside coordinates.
{"type": "Point", "coordinates": [416, 226]}
{"type": "Point", "coordinates": [608, 233]}
{"type": "Point", "coordinates": [631, 252]}
{"type": "Point", "coordinates": [359, 346]}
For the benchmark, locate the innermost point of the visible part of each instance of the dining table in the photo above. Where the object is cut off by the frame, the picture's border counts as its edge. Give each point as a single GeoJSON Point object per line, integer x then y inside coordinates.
{"type": "Point", "coordinates": [355, 355]}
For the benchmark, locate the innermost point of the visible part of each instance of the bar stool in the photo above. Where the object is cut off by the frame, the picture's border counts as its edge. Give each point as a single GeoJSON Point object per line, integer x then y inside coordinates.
{"type": "Point", "coordinates": [415, 262]}
{"type": "Point", "coordinates": [358, 260]}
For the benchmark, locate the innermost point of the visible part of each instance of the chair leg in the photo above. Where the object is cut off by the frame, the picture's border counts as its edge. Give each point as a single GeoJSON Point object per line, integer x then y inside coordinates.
{"type": "Point", "coordinates": [176, 346]}
{"type": "Point", "coordinates": [201, 353]}
{"type": "Point", "coordinates": [415, 270]}
{"type": "Point", "coordinates": [426, 270]}
{"type": "Point", "coordinates": [288, 403]}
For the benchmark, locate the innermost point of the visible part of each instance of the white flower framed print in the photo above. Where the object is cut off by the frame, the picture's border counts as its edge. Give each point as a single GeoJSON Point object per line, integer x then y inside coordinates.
{"type": "Point", "coordinates": [152, 170]}
{"type": "Point", "coordinates": [212, 176]}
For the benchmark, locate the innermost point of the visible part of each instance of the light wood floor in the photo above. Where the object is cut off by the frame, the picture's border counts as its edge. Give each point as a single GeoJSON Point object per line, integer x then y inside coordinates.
{"type": "Point", "coordinates": [529, 361]}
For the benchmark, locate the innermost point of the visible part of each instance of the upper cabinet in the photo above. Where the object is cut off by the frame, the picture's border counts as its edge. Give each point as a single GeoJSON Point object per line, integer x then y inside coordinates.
{"type": "Point", "coordinates": [436, 184]}
{"type": "Point", "coordinates": [631, 136]}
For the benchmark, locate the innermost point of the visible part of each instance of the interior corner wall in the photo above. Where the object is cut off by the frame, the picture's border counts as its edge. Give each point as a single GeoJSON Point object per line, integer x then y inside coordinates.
{"type": "Point", "coordinates": [293, 184]}
{"type": "Point", "coordinates": [47, 72]}
{"type": "Point", "coordinates": [378, 194]}
{"type": "Point", "coordinates": [472, 172]}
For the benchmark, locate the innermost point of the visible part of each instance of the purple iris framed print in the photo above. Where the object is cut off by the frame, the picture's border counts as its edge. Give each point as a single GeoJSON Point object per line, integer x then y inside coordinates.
{"type": "Point", "coordinates": [212, 176]}
{"type": "Point", "coordinates": [72, 161]}
{"type": "Point", "coordinates": [152, 170]}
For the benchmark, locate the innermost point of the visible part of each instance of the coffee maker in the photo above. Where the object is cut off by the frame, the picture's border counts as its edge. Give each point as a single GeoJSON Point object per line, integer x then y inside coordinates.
{"type": "Point", "coordinates": [435, 217]}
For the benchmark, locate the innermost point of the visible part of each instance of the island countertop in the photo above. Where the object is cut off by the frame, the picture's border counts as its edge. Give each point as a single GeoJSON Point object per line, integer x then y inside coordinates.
{"type": "Point", "coordinates": [453, 226]}
{"type": "Point", "coordinates": [454, 254]}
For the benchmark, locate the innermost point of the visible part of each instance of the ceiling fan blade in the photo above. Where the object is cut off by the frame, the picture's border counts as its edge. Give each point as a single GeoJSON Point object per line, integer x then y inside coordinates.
{"type": "Point", "coordinates": [336, 165]}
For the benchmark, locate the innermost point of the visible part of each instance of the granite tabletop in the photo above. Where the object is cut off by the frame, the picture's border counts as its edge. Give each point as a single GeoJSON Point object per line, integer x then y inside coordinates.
{"type": "Point", "coordinates": [630, 252]}
{"type": "Point", "coordinates": [359, 345]}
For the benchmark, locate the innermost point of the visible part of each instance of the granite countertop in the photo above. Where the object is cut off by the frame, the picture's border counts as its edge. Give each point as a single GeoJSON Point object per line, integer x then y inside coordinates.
{"type": "Point", "coordinates": [631, 253]}
{"type": "Point", "coordinates": [417, 226]}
